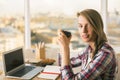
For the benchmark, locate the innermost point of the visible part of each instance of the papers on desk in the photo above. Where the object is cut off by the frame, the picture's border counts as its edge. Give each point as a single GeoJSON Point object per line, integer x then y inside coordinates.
{"type": "Point", "coordinates": [50, 72]}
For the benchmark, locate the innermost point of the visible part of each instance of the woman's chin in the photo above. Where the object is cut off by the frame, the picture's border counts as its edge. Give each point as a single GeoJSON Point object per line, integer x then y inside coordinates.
{"type": "Point", "coordinates": [86, 40]}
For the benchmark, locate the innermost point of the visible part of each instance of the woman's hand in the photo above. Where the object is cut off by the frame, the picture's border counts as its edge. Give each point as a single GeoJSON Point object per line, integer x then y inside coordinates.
{"type": "Point", "coordinates": [64, 42]}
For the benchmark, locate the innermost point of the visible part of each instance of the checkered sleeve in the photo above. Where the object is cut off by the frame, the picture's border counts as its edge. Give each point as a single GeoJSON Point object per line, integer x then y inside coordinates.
{"type": "Point", "coordinates": [76, 61]}
{"type": "Point", "coordinates": [98, 65]}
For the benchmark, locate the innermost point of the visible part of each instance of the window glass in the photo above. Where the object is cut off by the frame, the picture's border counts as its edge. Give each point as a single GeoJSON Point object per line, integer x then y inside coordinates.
{"type": "Point", "coordinates": [114, 22]}
{"type": "Point", "coordinates": [11, 24]}
{"type": "Point", "coordinates": [47, 16]}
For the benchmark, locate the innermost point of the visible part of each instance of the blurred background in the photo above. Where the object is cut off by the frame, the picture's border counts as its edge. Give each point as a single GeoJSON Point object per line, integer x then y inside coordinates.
{"type": "Point", "coordinates": [47, 16]}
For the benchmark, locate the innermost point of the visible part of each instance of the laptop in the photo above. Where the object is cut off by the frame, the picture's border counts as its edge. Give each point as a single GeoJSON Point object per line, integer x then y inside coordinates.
{"type": "Point", "coordinates": [15, 67]}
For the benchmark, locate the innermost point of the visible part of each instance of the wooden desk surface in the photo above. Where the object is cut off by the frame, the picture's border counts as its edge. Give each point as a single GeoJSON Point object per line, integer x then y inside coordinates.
{"type": "Point", "coordinates": [2, 77]}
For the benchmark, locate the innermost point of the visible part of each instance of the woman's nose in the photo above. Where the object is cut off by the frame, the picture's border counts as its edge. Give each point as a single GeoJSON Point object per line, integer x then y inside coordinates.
{"type": "Point", "coordinates": [84, 29]}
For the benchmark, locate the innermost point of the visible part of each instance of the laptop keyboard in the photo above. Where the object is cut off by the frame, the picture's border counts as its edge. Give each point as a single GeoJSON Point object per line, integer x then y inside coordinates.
{"type": "Point", "coordinates": [23, 71]}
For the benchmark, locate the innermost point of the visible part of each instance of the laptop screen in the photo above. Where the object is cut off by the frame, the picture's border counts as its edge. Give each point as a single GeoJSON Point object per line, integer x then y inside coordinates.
{"type": "Point", "coordinates": [13, 59]}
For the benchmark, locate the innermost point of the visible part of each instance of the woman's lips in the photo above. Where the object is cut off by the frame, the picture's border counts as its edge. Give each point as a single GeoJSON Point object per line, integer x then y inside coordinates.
{"type": "Point", "coordinates": [84, 36]}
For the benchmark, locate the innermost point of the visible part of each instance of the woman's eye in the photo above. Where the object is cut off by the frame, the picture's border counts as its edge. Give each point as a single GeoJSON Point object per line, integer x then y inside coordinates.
{"type": "Point", "coordinates": [80, 26]}
{"type": "Point", "coordinates": [88, 26]}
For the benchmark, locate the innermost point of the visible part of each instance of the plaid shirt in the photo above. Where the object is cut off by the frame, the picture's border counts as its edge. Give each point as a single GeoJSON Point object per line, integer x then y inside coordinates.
{"type": "Point", "coordinates": [101, 67]}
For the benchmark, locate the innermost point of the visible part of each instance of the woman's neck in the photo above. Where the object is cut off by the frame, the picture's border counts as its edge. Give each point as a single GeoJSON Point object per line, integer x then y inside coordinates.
{"type": "Point", "coordinates": [92, 45]}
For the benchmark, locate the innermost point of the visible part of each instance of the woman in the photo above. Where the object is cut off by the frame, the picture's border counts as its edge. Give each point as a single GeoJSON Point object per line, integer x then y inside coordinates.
{"type": "Point", "coordinates": [97, 60]}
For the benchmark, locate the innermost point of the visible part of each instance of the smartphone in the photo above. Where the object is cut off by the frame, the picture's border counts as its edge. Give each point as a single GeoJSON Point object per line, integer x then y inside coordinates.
{"type": "Point", "coordinates": [67, 33]}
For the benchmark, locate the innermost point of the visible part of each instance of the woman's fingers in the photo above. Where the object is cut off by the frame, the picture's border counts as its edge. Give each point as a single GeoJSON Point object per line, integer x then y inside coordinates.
{"type": "Point", "coordinates": [60, 33]}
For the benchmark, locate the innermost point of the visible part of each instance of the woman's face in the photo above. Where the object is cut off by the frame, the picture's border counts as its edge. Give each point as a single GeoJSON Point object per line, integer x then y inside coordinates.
{"type": "Point", "coordinates": [85, 29]}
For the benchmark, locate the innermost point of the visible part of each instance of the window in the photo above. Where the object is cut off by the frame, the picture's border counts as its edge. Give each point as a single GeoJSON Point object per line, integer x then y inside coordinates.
{"type": "Point", "coordinates": [114, 22]}
{"type": "Point", "coordinates": [11, 24]}
{"type": "Point", "coordinates": [46, 17]}
{"type": "Point", "coordinates": [49, 16]}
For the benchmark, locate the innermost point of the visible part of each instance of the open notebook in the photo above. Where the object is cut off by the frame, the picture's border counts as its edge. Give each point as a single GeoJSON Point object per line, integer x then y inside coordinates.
{"type": "Point", "coordinates": [50, 72]}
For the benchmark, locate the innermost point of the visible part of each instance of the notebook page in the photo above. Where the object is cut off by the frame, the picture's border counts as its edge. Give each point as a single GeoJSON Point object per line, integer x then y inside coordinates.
{"type": "Point", "coordinates": [50, 72]}
{"type": "Point", "coordinates": [51, 68]}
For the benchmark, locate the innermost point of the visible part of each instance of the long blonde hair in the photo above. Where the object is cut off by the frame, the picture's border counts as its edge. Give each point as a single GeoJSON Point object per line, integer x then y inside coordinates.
{"type": "Point", "coordinates": [94, 18]}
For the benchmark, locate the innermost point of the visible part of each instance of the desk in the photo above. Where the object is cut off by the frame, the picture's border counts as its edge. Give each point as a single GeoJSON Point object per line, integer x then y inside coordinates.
{"type": "Point", "coordinates": [2, 77]}
{"type": "Point", "coordinates": [29, 57]}
{"type": "Point", "coordinates": [52, 53]}
{"type": "Point", "coordinates": [35, 78]}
